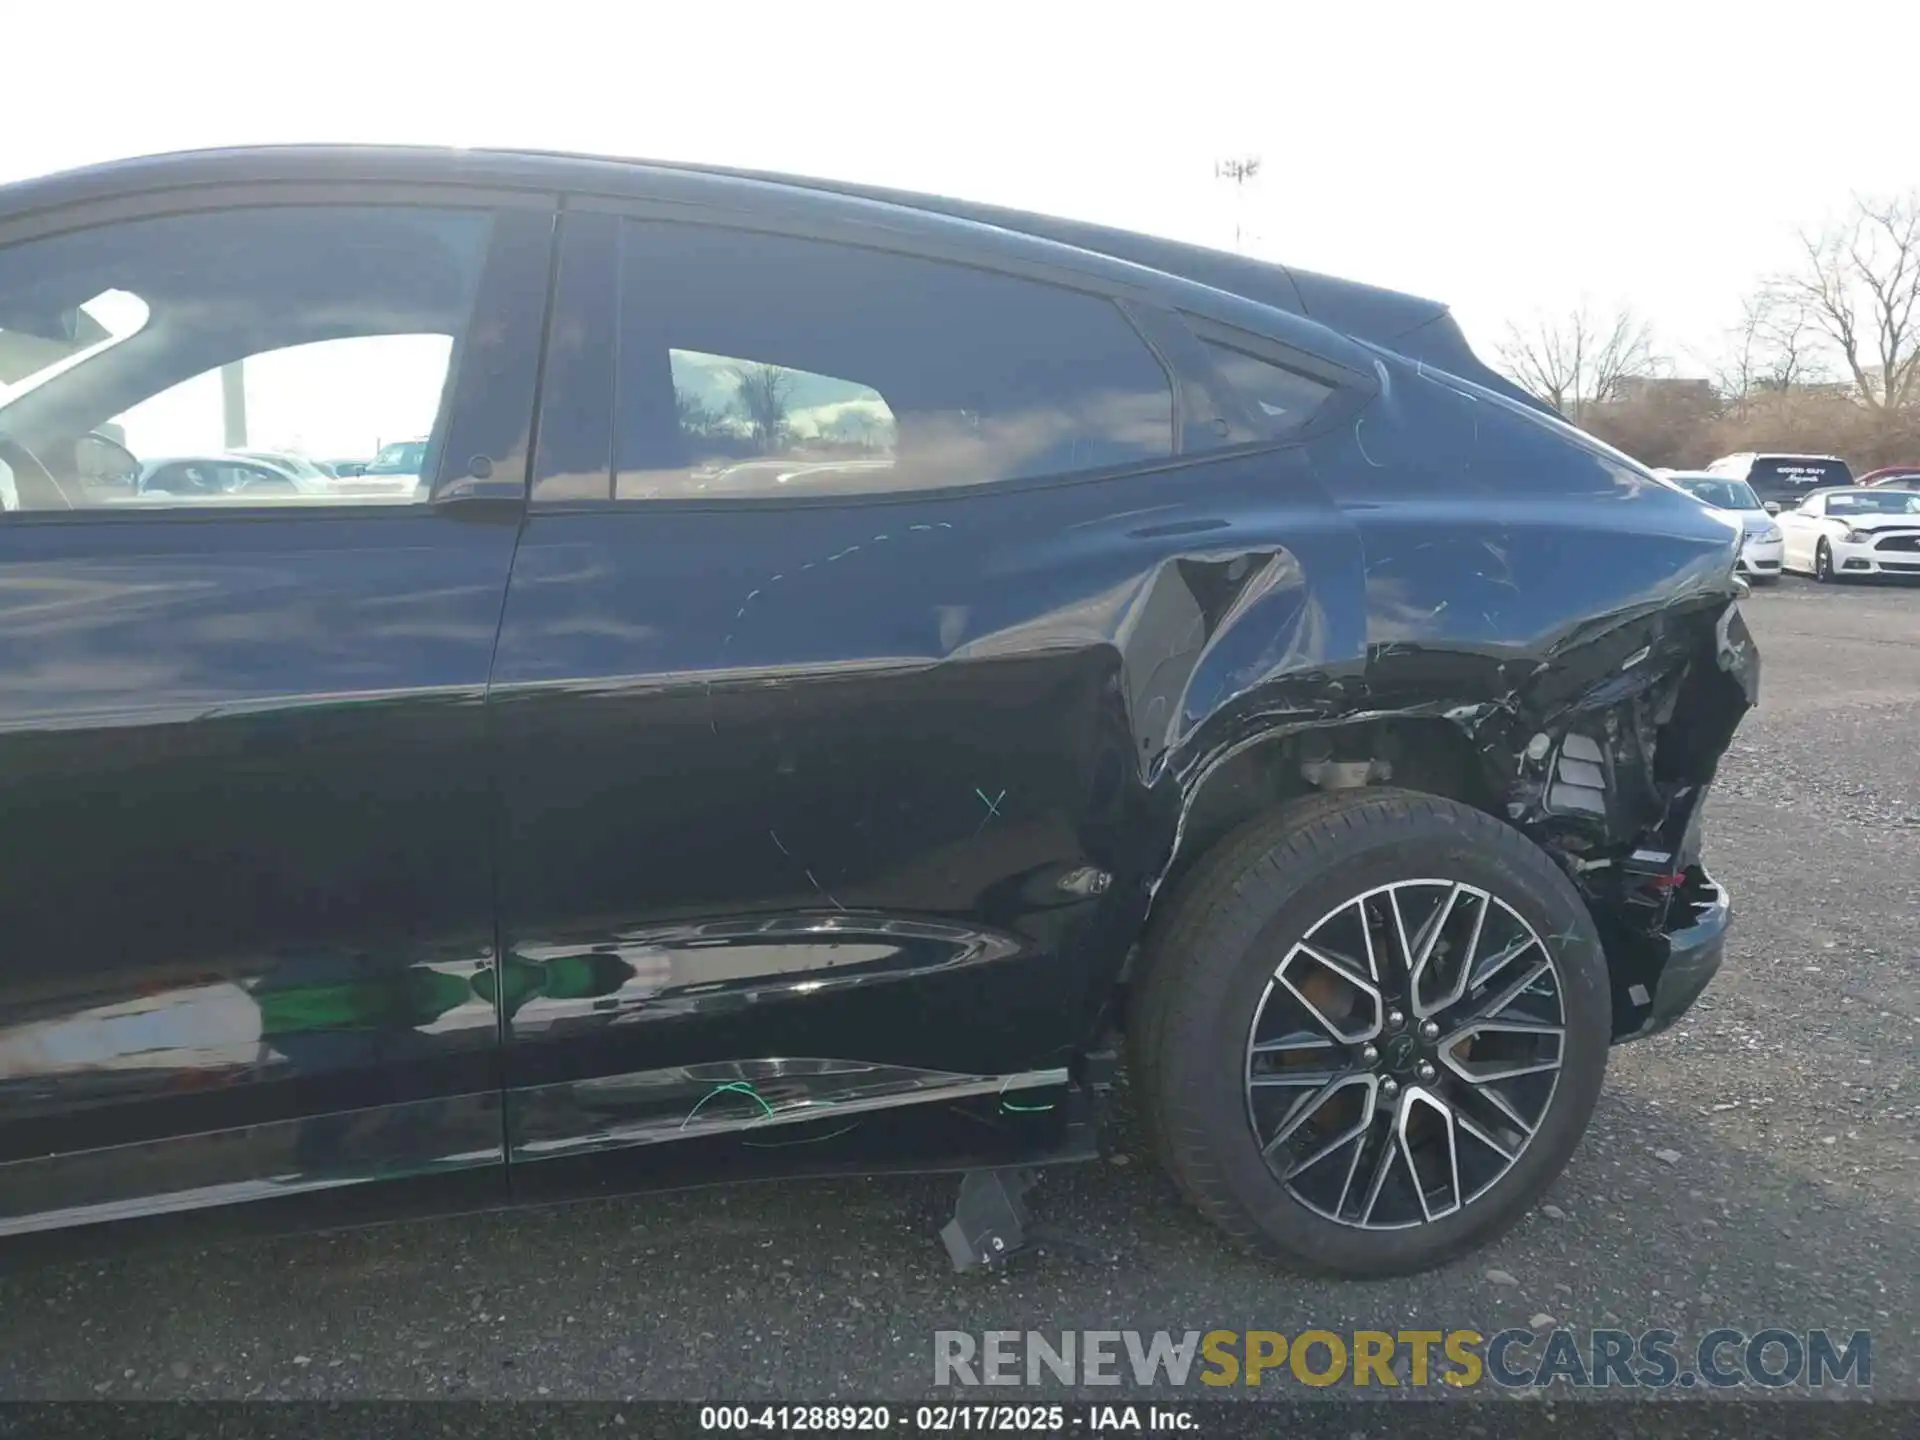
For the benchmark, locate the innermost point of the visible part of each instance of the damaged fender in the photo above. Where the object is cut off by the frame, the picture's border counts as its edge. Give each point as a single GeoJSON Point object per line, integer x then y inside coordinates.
{"type": "Point", "coordinates": [1567, 621]}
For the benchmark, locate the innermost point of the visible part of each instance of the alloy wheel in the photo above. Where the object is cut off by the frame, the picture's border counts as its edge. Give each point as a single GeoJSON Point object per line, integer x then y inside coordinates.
{"type": "Point", "coordinates": [1404, 1053]}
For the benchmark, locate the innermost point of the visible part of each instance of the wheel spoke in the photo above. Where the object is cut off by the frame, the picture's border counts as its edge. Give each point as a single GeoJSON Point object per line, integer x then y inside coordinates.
{"type": "Point", "coordinates": [1499, 960]}
{"type": "Point", "coordinates": [1353, 1165]}
{"type": "Point", "coordinates": [1296, 1040]}
{"type": "Point", "coordinates": [1506, 1072]}
{"type": "Point", "coordinates": [1366, 935]}
{"type": "Point", "coordinates": [1500, 1102]}
{"type": "Point", "coordinates": [1464, 1123]}
{"type": "Point", "coordinates": [1307, 1107]}
{"type": "Point", "coordinates": [1492, 1008]}
{"type": "Point", "coordinates": [1339, 965]}
{"type": "Point", "coordinates": [1267, 1078]}
{"type": "Point", "coordinates": [1422, 1100]}
{"type": "Point", "coordinates": [1353, 1032]}
{"type": "Point", "coordinates": [1381, 1169]}
{"type": "Point", "coordinates": [1515, 1027]}
{"type": "Point", "coordinates": [1404, 957]}
{"type": "Point", "coordinates": [1429, 935]}
{"type": "Point", "coordinates": [1352, 1135]}
{"type": "Point", "coordinates": [1431, 943]}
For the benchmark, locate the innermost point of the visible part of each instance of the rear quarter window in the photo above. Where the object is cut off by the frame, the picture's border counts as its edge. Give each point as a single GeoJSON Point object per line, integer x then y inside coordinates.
{"type": "Point", "coordinates": [1280, 398]}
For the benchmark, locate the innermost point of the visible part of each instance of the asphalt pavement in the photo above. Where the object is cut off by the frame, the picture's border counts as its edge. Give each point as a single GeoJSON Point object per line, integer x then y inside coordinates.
{"type": "Point", "coordinates": [1758, 1165]}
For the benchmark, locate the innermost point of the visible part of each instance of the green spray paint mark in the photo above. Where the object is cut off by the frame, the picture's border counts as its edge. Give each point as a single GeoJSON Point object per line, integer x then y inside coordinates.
{"type": "Point", "coordinates": [732, 1087]}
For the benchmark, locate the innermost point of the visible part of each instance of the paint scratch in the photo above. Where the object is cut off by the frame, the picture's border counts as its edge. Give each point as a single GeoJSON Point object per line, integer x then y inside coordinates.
{"type": "Point", "coordinates": [1361, 445]}
{"type": "Point", "coordinates": [824, 891]}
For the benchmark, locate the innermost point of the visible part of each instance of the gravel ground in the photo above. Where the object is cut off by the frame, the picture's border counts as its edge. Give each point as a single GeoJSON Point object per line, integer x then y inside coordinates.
{"type": "Point", "coordinates": [1756, 1166]}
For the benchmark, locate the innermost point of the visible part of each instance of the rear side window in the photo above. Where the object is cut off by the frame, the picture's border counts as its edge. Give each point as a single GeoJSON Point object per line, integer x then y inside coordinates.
{"type": "Point", "coordinates": [756, 365]}
{"type": "Point", "coordinates": [1282, 398]}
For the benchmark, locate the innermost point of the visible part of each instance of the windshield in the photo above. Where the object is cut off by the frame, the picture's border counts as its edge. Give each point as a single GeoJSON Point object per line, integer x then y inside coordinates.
{"type": "Point", "coordinates": [1724, 494]}
{"type": "Point", "coordinates": [403, 457]}
{"type": "Point", "coordinates": [1875, 502]}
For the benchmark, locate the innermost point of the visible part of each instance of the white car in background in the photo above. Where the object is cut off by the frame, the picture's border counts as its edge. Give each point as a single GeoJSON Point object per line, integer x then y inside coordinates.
{"type": "Point", "coordinates": [298, 466]}
{"type": "Point", "coordinates": [222, 475]}
{"type": "Point", "coordinates": [1762, 542]}
{"type": "Point", "coordinates": [394, 473]}
{"type": "Point", "coordinates": [1834, 534]}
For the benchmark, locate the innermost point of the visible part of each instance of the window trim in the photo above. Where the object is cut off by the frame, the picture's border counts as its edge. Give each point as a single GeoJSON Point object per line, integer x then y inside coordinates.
{"type": "Point", "coordinates": [215, 199]}
{"type": "Point", "coordinates": [1131, 304]}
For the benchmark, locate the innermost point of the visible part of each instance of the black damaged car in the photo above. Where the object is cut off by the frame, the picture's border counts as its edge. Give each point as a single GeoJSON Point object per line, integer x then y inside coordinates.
{"type": "Point", "coordinates": [854, 675]}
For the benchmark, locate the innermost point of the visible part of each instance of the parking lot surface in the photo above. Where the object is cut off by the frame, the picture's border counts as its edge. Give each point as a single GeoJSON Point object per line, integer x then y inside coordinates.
{"type": "Point", "coordinates": [1758, 1165]}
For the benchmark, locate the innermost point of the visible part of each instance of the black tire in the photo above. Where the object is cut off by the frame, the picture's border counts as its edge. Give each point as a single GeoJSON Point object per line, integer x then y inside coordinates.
{"type": "Point", "coordinates": [1823, 563]}
{"type": "Point", "coordinates": [1144, 1029]}
{"type": "Point", "coordinates": [1212, 949]}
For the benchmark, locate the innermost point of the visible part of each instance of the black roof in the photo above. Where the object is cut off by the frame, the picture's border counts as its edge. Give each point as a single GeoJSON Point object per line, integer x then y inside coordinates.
{"type": "Point", "coordinates": [1419, 328]}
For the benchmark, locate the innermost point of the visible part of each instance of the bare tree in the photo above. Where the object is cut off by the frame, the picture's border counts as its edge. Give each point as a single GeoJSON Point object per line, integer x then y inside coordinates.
{"type": "Point", "coordinates": [1774, 347]}
{"type": "Point", "coordinates": [763, 391]}
{"type": "Point", "coordinates": [1573, 360]}
{"type": "Point", "coordinates": [1791, 356]}
{"type": "Point", "coordinates": [694, 415]}
{"type": "Point", "coordinates": [1860, 283]}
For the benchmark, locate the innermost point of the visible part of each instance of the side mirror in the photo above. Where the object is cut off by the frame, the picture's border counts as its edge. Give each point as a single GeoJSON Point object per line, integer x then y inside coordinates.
{"type": "Point", "coordinates": [1773, 507]}
{"type": "Point", "coordinates": [102, 458]}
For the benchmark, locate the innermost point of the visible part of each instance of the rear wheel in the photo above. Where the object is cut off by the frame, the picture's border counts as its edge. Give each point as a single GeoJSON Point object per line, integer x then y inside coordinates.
{"type": "Point", "coordinates": [1370, 1031]}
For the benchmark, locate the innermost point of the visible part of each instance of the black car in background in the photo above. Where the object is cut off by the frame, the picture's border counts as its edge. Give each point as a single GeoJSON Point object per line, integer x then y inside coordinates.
{"type": "Point", "coordinates": [1783, 481]}
{"type": "Point", "coordinates": [849, 657]}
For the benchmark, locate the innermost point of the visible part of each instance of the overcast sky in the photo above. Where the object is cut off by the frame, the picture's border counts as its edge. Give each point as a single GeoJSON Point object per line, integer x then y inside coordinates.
{"type": "Point", "coordinates": [1503, 158]}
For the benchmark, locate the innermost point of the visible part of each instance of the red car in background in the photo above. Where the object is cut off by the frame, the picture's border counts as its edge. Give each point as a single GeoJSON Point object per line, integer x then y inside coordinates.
{"type": "Point", "coordinates": [1892, 475]}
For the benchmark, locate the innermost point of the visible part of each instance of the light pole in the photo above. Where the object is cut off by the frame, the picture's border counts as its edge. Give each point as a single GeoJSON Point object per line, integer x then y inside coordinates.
{"type": "Point", "coordinates": [233, 403]}
{"type": "Point", "coordinates": [1239, 171]}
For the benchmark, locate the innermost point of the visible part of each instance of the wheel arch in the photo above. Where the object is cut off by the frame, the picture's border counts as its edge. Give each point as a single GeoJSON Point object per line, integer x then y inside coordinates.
{"type": "Point", "coordinates": [1427, 754]}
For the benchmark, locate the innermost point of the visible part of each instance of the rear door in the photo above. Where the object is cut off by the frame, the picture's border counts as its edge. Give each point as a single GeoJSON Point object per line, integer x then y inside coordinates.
{"type": "Point", "coordinates": [862, 598]}
{"type": "Point", "coordinates": [246, 890]}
